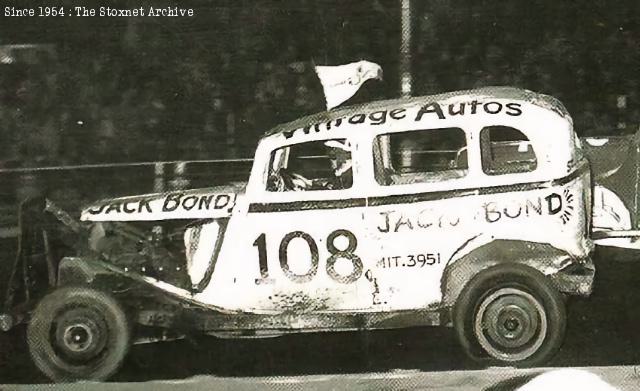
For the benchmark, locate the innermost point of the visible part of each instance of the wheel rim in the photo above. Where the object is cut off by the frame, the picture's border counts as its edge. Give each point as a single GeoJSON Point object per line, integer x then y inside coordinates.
{"type": "Point", "coordinates": [78, 337]}
{"type": "Point", "coordinates": [510, 324]}
{"type": "Point", "coordinates": [80, 334]}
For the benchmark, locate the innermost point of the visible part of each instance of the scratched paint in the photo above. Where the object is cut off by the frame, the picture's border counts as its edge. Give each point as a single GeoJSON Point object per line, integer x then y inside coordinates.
{"type": "Point", "coordinates": [298, 302]}
{"type": "Point", "coordinates": [324, 251]}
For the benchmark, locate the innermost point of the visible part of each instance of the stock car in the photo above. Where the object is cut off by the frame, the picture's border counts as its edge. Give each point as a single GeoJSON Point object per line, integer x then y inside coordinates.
{"type": "Point", "coordinates": [468, 210]}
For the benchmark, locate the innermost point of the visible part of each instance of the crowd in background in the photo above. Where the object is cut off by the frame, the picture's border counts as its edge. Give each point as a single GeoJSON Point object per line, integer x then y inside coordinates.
{"type": "Point", "coordinates": [146, 89]}
{"type": "Point", "coordinates": [586, 55]}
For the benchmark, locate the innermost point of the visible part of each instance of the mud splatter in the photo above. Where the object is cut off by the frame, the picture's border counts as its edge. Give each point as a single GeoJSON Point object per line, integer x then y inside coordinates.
{"type": "Point", "coordinates": [298, 302]}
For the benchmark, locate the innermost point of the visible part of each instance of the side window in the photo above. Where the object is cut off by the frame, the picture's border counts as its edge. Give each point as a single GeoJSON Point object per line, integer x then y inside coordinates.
{"type": "Point", "coordinates": [506, 150]}
{"type": "Point", "coordinates": [314, 165]}
{"type": "Point", "coordinates": [418, 156]}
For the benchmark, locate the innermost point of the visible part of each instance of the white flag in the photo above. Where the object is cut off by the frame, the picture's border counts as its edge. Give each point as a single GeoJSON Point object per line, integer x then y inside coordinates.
{"type": "Point", "coordinates": [341, 82]}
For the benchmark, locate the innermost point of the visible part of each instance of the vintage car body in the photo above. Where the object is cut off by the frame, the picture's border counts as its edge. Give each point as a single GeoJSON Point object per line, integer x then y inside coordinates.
{"type": "Point", "coordinates": [488, 220]}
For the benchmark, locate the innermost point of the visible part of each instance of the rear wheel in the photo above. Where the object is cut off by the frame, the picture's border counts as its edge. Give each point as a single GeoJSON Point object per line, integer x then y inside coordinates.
{"type": "Point", "coordinates": [512, 314]}
{"type": "Point", "coordinates": [78, 333]}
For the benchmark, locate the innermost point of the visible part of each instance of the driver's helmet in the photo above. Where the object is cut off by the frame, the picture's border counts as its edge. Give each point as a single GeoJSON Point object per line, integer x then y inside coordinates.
{"type": "Point", "coordinates": [340, 154]}
{"type": "Point", "coordinates": [339, 145]}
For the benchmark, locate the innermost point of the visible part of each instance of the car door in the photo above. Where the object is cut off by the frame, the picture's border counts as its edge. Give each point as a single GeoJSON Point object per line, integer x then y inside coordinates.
{"type": "Point", "coordinates": [417, 214]}
{"type": "Point", "coordinates": [304, 245]}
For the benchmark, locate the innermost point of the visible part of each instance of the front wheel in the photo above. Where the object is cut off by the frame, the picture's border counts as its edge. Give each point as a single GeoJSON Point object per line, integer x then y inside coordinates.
{"type": "Point", "coordinates": [511, 313]}
{"type": "Point", "coordinates": [78, 333]}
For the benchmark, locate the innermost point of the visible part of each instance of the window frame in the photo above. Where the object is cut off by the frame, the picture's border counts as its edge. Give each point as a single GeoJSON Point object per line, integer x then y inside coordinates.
{"type": "Point", "coordinates": [486, 147]}
{"type": "Point", "coordinates": [375, 145]}
{"type": "Point", "coordinates": [284, 153]}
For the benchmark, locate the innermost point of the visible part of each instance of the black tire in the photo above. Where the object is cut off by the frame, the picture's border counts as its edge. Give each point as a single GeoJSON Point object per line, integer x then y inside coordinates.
{"type": "Point", "coordinates": [78, 333]}
{"type": "Point", "coordinates": [510, 314]}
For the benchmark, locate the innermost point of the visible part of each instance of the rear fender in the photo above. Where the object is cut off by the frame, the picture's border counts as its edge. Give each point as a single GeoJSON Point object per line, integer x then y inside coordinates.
{"type": "Point", "coordinates": [145, 305]}
{"type": "Point", "coordinates": [540, 256]}
{"type": "Point", "coordinates": [85, 271]}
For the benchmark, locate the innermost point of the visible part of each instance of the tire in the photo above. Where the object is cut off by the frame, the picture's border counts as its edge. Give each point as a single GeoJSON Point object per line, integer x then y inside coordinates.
{"type": "Point", "coordinates": [510, 314]}
{"type": "Point", "coordinates": [78, 333]}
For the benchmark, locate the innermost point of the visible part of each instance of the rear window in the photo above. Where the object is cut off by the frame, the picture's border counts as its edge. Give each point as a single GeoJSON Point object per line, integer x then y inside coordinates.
{"type": "Point", "coordinates": [506, 150]}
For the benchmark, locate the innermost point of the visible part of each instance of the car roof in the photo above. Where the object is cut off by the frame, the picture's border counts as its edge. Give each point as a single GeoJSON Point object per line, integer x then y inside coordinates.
{"type": "Point", "coordinates": [510, 93]}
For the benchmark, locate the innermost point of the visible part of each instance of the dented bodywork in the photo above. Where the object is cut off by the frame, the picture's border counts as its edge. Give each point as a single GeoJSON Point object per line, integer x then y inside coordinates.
{"type": "Point", "coordinates": [392, 248]}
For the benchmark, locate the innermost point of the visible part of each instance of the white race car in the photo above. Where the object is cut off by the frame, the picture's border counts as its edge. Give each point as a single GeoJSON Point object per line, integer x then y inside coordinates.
{"type": "Point", "coordinates": [468, 209]}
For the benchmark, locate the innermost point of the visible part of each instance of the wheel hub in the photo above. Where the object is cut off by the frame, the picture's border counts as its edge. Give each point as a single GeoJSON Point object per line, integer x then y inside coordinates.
{"type": "Point", "coordinates": [80, 333]}
{"type": "Point", "coordinates": [78, 337]}
{"type": "Point", "coordinates": [510, 324]}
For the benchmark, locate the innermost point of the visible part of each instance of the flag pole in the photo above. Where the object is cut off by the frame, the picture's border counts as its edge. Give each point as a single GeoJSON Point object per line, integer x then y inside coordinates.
{"type": "Point", "coordinates": [405, 72]}
{"type": "Point", "coordinates": [405, 50]}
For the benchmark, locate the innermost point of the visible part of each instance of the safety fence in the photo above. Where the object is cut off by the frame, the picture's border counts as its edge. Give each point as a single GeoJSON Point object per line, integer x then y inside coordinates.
{"type": "Point", "coordinates": [72, 186]}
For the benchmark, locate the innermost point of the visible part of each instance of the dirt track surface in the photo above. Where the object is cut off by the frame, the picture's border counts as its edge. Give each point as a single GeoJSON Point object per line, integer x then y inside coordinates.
{"type": "Point", "coordinates": [602, 331]}
{"type": "Point", "coordinates": [492, 379]}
